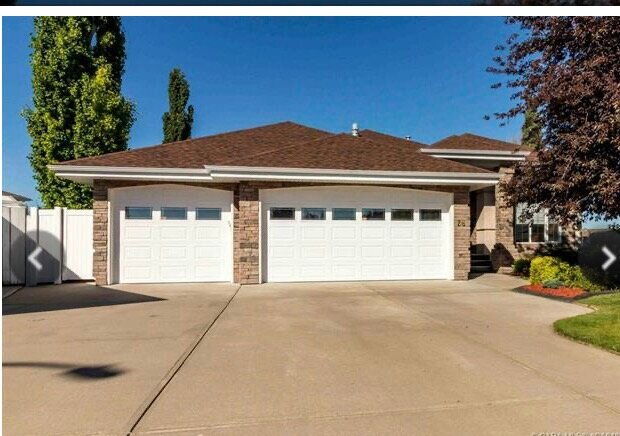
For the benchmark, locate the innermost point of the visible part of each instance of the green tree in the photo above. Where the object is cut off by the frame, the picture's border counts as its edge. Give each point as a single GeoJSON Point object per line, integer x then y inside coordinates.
{"type": "Point", "coordinates": [178, 120]}
{"type": "Point", "coordinates": [78, 109]}
{"type": "Point", "coordinates": [531, 134]}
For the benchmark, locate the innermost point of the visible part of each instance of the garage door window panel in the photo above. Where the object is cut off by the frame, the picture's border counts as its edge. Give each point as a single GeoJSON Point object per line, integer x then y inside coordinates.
{"type": "Point", "coordinates": [430, 214]}
{"type": "Point", "coordinates": [402, 214]}
{"type": "Point", "coordinates": [372, 214]}
{"type": "Point", "coordinates": [138, 213]}
{"type": "Point", "coordinates": [343, 214]}
{"type": "Point", "coordinates": [282, 213]}
{"type": "Point", "coordinates": [313, 213]}
{"type": "Point", "coordinates": [208, 213]}
{"type": "Point", "coordinates": [174, 213]}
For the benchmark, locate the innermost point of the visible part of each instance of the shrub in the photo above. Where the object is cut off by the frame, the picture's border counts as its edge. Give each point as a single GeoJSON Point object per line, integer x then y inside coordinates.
{"type": "Point", "coordinates": [551, 270]}
{"type": "Point", "coordinates": [553, 284]}
{"type": "Point", "coordinates": [521, 266]}
{"type": "Point", "coordinates": [545, 268]}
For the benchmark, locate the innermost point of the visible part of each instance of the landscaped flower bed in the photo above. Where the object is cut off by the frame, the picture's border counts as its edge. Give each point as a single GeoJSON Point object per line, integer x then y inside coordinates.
{"type": "Point", "coordinates": [562, 292]}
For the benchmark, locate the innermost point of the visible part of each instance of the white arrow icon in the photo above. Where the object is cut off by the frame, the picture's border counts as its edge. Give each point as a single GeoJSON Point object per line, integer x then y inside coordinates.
{"type": "Point", "coordinates": [610, 255]}
{"type": "Point", "coordinates": [33, 258]}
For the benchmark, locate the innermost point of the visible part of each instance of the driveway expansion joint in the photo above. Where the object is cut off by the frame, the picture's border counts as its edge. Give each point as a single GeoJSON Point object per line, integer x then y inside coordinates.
{"type": "Point", "coordinates": [146, 405]}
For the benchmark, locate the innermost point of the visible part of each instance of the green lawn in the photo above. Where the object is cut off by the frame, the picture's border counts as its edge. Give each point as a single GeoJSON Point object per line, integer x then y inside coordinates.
{"type": "Point", "coordinates": [600, 328]}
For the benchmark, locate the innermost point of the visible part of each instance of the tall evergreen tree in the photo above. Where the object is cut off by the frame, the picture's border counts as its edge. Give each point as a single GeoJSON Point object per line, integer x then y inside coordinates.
{"type": "Point", "coordinates": [178, 120]}
{"type": "Point", "coordinates": [78, 109]}
{"type": "Point", "coordinates": [531, 133]}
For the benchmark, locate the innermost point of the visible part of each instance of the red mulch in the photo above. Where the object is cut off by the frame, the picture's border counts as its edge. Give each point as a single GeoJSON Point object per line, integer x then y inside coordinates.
{"type": "Point", "coordinates": [563, 293]}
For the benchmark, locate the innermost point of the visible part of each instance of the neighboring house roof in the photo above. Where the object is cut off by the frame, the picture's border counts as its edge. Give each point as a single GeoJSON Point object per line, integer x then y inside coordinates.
{"type": "Point", "coordinates": [468, 141]}
{"type": "Point", "coordinates": [283, 145]}
{"type": "Point", "coordinates": [383, 138]}
{"type": "Point", "coordinates": [11, 198]}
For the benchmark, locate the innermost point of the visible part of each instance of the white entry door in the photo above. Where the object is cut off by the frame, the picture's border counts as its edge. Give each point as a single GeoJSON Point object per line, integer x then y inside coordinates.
{"type": "Point", "coordinates": [172, 233]}
{"type": "Point", "coordinates": [356, 233]}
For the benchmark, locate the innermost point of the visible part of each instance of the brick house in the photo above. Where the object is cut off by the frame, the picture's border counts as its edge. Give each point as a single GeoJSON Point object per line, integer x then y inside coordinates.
{"type": "Point", "coordinates": [287, 202]}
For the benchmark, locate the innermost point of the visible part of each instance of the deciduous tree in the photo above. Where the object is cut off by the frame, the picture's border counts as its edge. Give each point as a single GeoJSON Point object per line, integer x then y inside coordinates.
{"type": "Point", "coordinates": [567, 69]}
{"type": "Point", "coordinates": [78, 109]}
{"type": "Point", "coordinates": [179, 119]}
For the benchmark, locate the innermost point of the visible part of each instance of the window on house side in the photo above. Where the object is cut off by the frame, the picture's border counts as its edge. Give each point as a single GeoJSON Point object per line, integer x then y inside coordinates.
{"type": "Point", "coordinates": [539, 229]}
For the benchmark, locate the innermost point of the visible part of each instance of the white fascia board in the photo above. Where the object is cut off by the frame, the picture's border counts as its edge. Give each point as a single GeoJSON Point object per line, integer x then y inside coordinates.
{"type": "Point", "coordinates": [86, 174]}
{"type": "Point", "coordinates": [477, 154]}
{"type": "Point", "coordinates": [350, 176]}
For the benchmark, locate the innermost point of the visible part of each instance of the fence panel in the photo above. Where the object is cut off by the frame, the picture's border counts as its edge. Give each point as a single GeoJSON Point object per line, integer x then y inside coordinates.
{"type": "Point", "coordinates": [60, 241]}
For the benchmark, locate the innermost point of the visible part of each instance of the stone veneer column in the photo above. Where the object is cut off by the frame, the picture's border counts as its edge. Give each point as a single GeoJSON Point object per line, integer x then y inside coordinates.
{"type": "Point", "coordinates": [505, 250]}
{"type": "Point", "coordinates": [246, 234]}
{"type": "Point", "coordinates": [100, 232]}
{"type": "Point", "coordinates": [462, 234]}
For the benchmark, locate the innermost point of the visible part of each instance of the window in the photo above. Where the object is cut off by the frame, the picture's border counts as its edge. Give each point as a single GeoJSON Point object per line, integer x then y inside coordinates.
{"type": "Point", "coordinates": [208, 213]}
{"type": "Point", "coordinates": [343, 214]}
{"type": "Point", "coordinates": [402, 214]}
{"type": "Point", "coordinates": [173, 213]}
{"type": "Point", "coordinates": [282, 213]}
{"type": "Point", "coordinates": [373, 214]}
{"type": "Point", "coordinates": [430, 214]}
{"type": "Point", "coordinates": [138, 213]}
{"type": "Point", "coordinates": [312, 213]}
{"type": "Point", "coordinates": [539, 229]}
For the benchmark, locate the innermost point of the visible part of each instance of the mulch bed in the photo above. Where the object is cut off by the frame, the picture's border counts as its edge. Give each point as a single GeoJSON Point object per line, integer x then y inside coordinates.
{"type": "Point", "coordinates": [563, 293]}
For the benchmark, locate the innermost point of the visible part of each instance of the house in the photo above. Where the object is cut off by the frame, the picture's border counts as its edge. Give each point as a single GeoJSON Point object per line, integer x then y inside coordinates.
{"type": "Point", "coordinates": [287, 202]}
{"type": "Point", "coordinates": [10, 199]}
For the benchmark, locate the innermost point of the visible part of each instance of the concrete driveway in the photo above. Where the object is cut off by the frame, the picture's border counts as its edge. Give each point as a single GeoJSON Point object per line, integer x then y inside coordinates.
{"type": "Point", "coordinates": [332, 358]}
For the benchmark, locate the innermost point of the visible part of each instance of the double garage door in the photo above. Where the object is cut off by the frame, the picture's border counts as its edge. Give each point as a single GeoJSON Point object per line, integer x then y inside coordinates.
{"type": "Point", "coordinates": [355, 233]}
{"type": "Point", "coordinates": [174, 233]}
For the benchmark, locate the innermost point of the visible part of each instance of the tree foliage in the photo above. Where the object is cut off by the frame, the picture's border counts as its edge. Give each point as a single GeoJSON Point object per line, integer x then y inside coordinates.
{"type": "Point", "coordinates": [78, 109]}
{"type": "Point", "coordinates": [178, 120]}
{"type": "Point", "coordinates": [531, 134]}
{"type": "Point", "coordinates": [566, 69]}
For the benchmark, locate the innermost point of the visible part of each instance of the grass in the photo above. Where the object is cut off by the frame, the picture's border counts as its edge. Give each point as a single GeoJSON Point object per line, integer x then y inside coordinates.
{"type": "Point", "coordinates": [600, 328]}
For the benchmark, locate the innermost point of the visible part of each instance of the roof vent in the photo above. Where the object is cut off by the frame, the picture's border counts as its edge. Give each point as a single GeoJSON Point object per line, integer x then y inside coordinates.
{"type": "Point", "coordinates": [408, 138]}
{"type": "Point", "coordinates": [355, 131]}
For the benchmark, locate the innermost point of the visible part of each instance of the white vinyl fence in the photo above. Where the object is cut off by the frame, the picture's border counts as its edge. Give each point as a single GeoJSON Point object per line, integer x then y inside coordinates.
{"type": "Point", "coordinates": [46, 245]}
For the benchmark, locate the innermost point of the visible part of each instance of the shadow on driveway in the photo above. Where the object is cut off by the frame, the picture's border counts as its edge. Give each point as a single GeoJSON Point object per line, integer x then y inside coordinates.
{"type": "Point", "coordinates": [69, 296]}
{"type": "Point", "coordinates": [72, 370]}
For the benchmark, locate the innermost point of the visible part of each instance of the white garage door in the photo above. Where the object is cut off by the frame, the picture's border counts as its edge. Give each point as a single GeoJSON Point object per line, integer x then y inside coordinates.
{"type": "Point", "coordinates": [172, 233]}
{"type": "Point", "coordinates": [356, 233]}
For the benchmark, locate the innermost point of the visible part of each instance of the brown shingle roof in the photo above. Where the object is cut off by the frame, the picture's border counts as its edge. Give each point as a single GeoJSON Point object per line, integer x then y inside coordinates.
{"type": "Point", "coordinates": [468, 141]}
{"type": "Point", "coordinates": [383, 138]}
{"type": "Point", "coordinates": [346, 152]}
{"type": "Point", "coordinates": [212, 150]}
{"type": "Point", "coordinates": [284, 145]}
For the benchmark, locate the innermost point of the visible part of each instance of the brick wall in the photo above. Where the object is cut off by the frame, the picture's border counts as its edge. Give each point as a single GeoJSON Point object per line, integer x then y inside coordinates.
{"type": "Point", "coordinates": [246, 218]}
{"type": "Point", "coordinates": [100, 232]}
{"type": "Point", "coordinates": [462, 234]}
{"type": "Point", "coordinates": [246, 234]}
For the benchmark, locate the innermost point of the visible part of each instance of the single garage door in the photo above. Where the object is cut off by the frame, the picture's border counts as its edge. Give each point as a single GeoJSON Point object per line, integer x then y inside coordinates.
{"type": "Point", "coordinates": [356, 233]}
{"type": "Point", "coordinates": [172, 233]}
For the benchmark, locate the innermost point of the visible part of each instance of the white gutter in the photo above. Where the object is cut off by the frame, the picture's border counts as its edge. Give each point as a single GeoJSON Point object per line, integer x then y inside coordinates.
{"type": "Point", "coordinates": [82, 173]}
{"type": "Point", "coordinates": [86, 174]}
{"type": "Point", "coordinates": [232, 173]}
{"type": "Point", "coordinates": [477, 154]}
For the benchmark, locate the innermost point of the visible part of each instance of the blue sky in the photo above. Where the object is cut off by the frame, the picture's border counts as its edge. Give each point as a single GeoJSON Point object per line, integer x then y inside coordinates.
{"type": "Point", "coordinates": [423, 77]}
